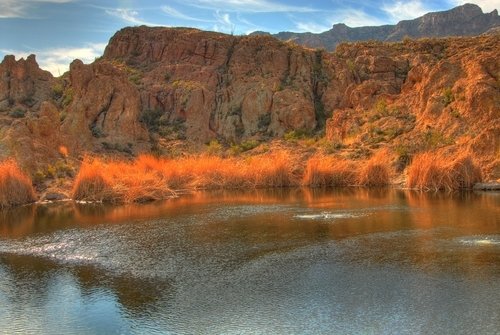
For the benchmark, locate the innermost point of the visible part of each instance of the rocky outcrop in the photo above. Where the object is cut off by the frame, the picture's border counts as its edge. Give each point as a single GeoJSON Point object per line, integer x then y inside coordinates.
{"type": "Point", "coordinates": [465, 20]}
{"type": "Point", "coordinates": [154, 86]}
{"type": "Point", "coordinates": [23, 85]}
{"type": "Point", "coordinates": [210, 85]}
{"type": "Point", "coordinates": [422, 95]}
{"type": "Point", "coordinates": [104, 109]}
{"type": "Point", "coordinates": [95, 108]}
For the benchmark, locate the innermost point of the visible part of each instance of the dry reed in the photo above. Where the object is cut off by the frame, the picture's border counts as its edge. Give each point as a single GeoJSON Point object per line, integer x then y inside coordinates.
{"type": "Point", "coordinates": [119, 182]}
{"type": "Point", "coordinates": [328, 171]}
{"type": "Point", "coordinates": [150, 178]}
{"type": "Point", "coordinates": [376, 171]}
{"type": "Point", "coordinates": [15, 187]}
{"type": "Point", "coordinates": [433, 172]}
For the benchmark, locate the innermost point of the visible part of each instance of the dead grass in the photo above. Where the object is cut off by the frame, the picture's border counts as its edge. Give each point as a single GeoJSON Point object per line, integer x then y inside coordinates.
{"type": "Point", "coordinates": [119, 182]}
{"type": "Point", "coordinates": [433, 172]}
{"type": "Point", "coordinates": [376, 171]}
{"type": "Point", "coordinates": [150, 178]}
{"type": "Point", "coordinates": [328, 171]}
{"type": "Point", "coordinates": [15, 186]}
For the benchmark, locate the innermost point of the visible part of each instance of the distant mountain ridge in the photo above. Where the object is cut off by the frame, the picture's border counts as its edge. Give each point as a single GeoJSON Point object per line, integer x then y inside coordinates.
{"type": "Point", "coordinates": [465, 20]}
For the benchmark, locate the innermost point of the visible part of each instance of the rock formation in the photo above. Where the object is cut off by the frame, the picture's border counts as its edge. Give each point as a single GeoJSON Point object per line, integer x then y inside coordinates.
{"type": "Point", "coordinates": [155, 85]}
{"type": "Point", "coordinates": [465, 20]}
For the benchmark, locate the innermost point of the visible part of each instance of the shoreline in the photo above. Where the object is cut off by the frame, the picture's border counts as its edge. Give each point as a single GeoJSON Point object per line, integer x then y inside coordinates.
{"type": "Point", "coordinates": [488, 187]}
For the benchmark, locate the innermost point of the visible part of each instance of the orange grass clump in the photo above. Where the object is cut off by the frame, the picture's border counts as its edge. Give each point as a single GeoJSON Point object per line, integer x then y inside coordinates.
{"type": "Point", "coordinates": [277, 169]}
{"type": "Point", "coordinates": [376, 171]}
{"type": "Point", "coordinates": [150, 178]}
{"type": "Point", "coordinates": [118, 182]}
{"type": "Point", "coordinates": [433, 172]}
{"type": "Point", "coordinates": [15, 187]}
{"type": "Point", "coordinates": [325, 171]}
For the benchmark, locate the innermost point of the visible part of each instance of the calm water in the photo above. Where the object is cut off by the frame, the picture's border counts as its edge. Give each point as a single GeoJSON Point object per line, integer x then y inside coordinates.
{"type": "Point", "coordinates": [280, 262]}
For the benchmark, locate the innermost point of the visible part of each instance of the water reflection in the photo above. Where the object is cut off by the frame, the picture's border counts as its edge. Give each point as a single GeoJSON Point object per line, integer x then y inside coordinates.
{"type": "Point", "coordinates": [265, 261]}
{"type": "Point", "coordinates": [38, 286]}
{"type": "Point", "coordinates": [424, 209]}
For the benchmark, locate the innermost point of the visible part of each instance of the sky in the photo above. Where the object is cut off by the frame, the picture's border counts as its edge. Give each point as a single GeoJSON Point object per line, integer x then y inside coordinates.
{"type": "Point", "coordinates": [59, 31]}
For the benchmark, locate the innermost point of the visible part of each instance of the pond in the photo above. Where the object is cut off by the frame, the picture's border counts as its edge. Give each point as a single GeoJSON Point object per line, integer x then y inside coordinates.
{"type": "Point", "coordinates": [293, 261]}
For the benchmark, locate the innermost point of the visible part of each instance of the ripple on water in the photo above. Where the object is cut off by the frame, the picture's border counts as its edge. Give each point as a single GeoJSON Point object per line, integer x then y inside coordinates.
{"type": "Point", "coordinates": [481, 240]}
{"type": "Point", "coordinates": [330, 216]}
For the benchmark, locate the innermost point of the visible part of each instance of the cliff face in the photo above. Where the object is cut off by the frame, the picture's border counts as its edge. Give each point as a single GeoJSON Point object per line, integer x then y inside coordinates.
{"type": "Point", "coordinates": [207, 85]}
{"type": "Point", "coordinates": [157, 85]}
{"type": "Point", "coordinates": [466, 20]}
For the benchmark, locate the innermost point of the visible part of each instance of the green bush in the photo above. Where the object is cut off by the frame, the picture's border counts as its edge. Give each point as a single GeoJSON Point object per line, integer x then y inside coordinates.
{"type": "Point", "coordinates": [264, 121]}
{"type": "Point", "coordinates": [447, 96]}
{"type": "Point", "coordinates": [57, 91]}
{"type": "Point", "coordinates": [214, 147]}
{"type": "Point", "coordinates": [244, 146]}
{"type": "Point", "coordinates": [67, 97]}
{"type": "Point", "coordinates": [17, 113]}
{"type": "Point", "coordinates": [433, 139]}
{"type": "Point", "coordinates": [297, 134]}
{"type": "Point", "coordinates": [151, 119]}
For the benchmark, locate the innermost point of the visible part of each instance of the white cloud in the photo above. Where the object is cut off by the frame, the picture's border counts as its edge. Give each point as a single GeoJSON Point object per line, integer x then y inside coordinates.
{"type": "Point", "coordinates": [178, 15]}
{"type": "Point", "coordinates": [486, 5]}
{"type": "Point", "coordinates": [248, 6]}
{"type": "Point", "coordinates": [356, 18]}
{"type": "Point", "coordinates": [224, 23]}
{"type": "Point", "coordinates": [405, 10]}
{"type": "Point", "coordinates": [20, 8]}
{"type": "Point", "coordinates": [57, 60]}
{"type": "Point", "coordinates": [130, 16]}
{"type": "Point", "coordinates": [311, 27]}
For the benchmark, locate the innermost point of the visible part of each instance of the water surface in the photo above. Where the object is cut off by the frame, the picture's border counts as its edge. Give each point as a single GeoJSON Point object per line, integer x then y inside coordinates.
{"type": "Point", "coordinates": [263, 262]}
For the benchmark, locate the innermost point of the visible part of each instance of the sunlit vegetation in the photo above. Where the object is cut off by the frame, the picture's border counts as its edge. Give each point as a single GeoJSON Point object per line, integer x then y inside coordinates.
{"type": "Point", "coordinates": [376, 171]}
{"type": "Point", "coordinates": [15, 186]}
{"type": "Point", "coordinates": [149, 178]}
{"type": "Point", "coordinates": [328, 171]}
{"type": "Point", "coordinates": [118, 182]}
{"type": "Point", "coordinates": [432, 172]}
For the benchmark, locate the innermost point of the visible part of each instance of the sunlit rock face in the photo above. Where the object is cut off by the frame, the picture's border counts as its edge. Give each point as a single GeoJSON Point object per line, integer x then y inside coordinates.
{"type": "Point", "coordinates": [155, 85]}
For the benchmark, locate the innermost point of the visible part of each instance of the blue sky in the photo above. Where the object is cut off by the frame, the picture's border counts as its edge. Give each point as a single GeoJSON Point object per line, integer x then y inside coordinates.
{"type": "Point", "coordinates": [58, 31]}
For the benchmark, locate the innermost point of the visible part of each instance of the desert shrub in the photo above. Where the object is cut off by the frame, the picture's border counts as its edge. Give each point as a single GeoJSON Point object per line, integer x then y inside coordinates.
{"type": "Point", "coordinates": [433, 139]}
{"type": "Point", "coordinates": [17, 113]}
{"type": "Point", "coordinates": [297, 134]}
{"type": "Point", "coordinates": [15, 186]}
{"type": "Point", "coordinates": [244, 146]}
{"type": "Point", "coordinates": [381, 107]}
{"type": "Point", "coordinates": [67, 97]}
{"type": "Point", "coordinates": [57, 91]}
{"type": "Point", "coordinates": [264, 121]}
{"type": "Point", "coordinates": [135, 76]}
{"type": "Point", "coordinates": [327, 171]}
{"type": "Point", "coordinates": [214, 147]}
{"type": "Point", "coordinates": [404, 154]}
{"type": "Point", "coordinates": [376, 171]}
{"type": "Point", "coordinates": [432, 172]}
{"type": "Point", "coordinates": [447, 96]}
{"type": "Point", "coordinates": [151, 119]}
{"type": "Point", "coordinates": [351, 66]}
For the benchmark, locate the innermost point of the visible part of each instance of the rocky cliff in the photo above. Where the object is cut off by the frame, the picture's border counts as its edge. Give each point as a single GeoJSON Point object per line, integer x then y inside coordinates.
{"type": "Point", "coordinates": [157, 85]}
{"type": "Point", "coordinates": [466, 20]}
